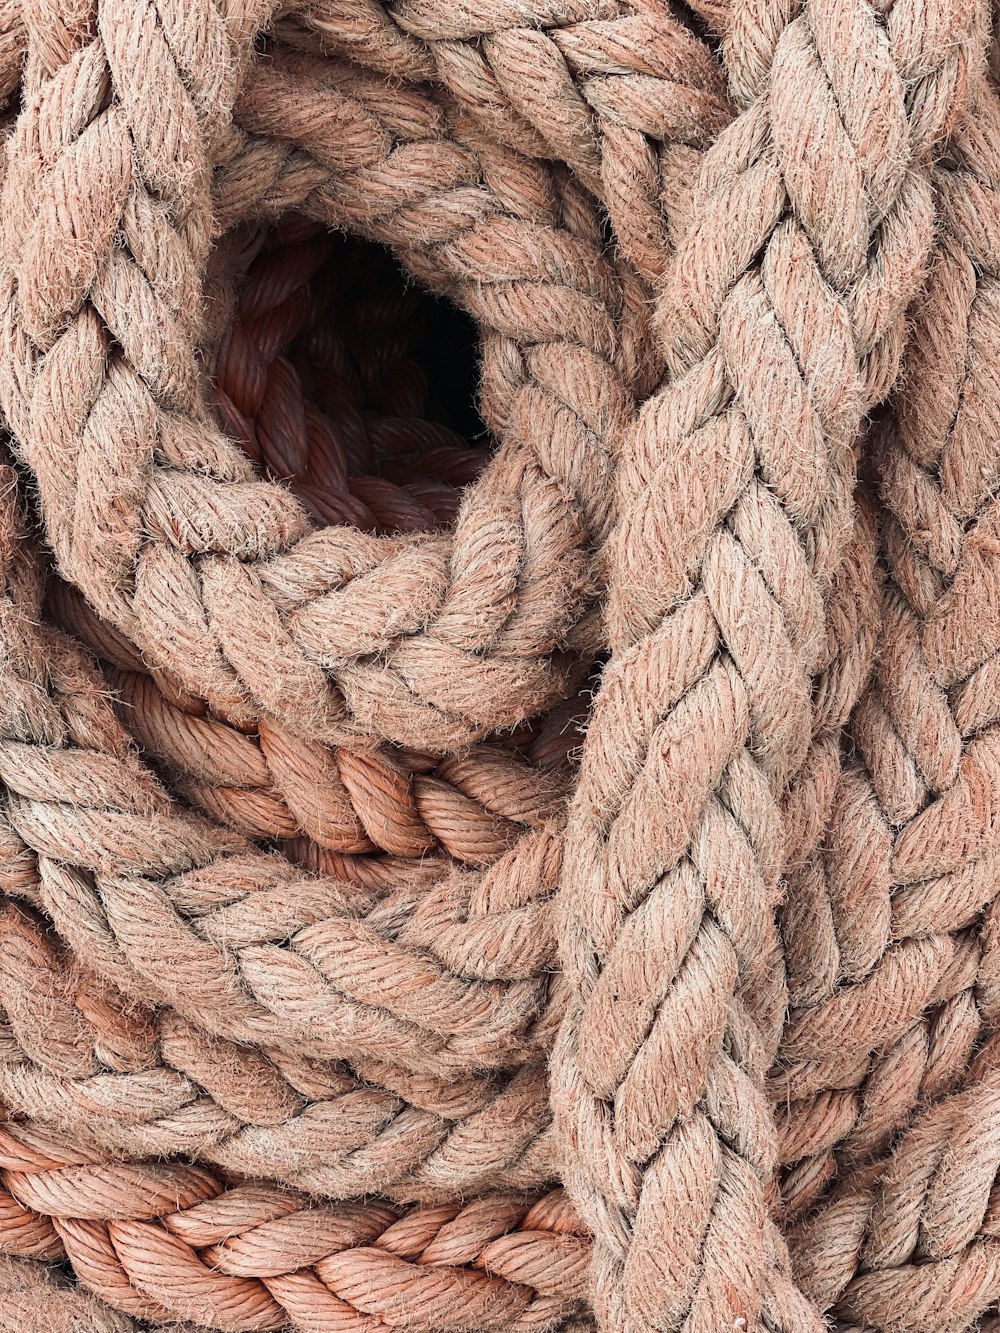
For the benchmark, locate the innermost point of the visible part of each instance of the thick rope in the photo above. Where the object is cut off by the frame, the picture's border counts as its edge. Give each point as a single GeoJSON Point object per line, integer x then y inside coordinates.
{"type": "Point", "coordinates": [518, 1116]}
{"type": "Point", "coordinates": [278, 785]}
{"type": "Point", "coordinates": [511, 1115]}
{"type": "Point", "coordinates": [170, 910]}
{"type": "Point", "coordinates": [164, 1242]}
{"type": "Point", "coordinates": [624, 93]}
{"type": "Point", "coordinates": [87, 923]}
{"type": "Point", "coordinates": [912, 928]}
{"type": "Point", "coordinates": [197, 563]}
{"type": "Point", "coordinates": [272, 1114]}
{"type": "Point", "coordinates": [31, 1297]}
{"type": "Point", "coordinates": [735, 496]}
{"type": "Point", "coordinates": [383, 1029]}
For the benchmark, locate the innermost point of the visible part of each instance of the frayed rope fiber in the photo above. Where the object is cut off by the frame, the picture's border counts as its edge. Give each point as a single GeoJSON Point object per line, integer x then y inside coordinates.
{"type": "Point", "coordinates": [499, 667]}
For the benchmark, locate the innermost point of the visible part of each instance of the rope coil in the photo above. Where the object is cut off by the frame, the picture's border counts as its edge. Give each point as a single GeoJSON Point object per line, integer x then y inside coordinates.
{"type": "Point", "coordinates": [541, 883]}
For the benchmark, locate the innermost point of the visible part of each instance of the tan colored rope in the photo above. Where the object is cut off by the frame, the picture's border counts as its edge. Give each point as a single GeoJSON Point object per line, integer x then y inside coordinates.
{"type": "Point", "coordinates": [89, 926]}
{"type": "Point", "coordinates": [911, 927]}
{"type": "Point", "coordinates": [519, 1115]}
{"type": "Point", "coordinates": [622, 92]}
{"type": "Point", "coordinates": [364, 1008]}
{"type": "Point", "coordinates": [782, 323]}
{"type": "Point", "coordinates": [170, 553]}
{"type": "Point", "coordinates": [96, 828]}
{"type": "Point", "coordinates": [165, 1241]}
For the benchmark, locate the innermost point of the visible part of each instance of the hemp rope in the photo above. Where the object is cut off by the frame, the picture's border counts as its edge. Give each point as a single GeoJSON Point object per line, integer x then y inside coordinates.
{"type": "Point", "coordinates": [119, 1038]}
{"type": "Point", "coordinates": [87, 716]}
{"type": "Point", "coordinates": [704, 714]}
{"type": "Point", "coordinates": [474, 806]}
{"type": "Point", "coordinates": [518, 1115]}
{"type": "Point", "coordinates": [158, 1240]}
{"type": "Point", "coordinates": [35, 1007]}
{"type": "Point", "coordinates": [913, 939]}
{"type": "Point", "coordinates": [623, 93]}
{"type": "Point", "coordinates": [876, 926]}
{"type": "Point", "coordinates": [109, 856]}
{"type": "Point", "coordinates": [75, 931]}
{"type": "Point", "coordinates": [470, 656]}
{"type": "Point", "coordinates": [80, 930]}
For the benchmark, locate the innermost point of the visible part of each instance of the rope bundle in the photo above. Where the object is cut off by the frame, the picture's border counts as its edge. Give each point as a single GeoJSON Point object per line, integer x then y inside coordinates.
{"type": "Point", "coordinates": [544, 883]}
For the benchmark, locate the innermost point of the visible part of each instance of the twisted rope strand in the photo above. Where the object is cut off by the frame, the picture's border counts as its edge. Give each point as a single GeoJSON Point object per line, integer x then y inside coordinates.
{"type": "Point", "coordinates": [54, 785]}
{"type": "Point", "coordinates": [198, 564]}
{"type": "Point", "coordinates": [163, 1242]}
{"type": "Point", "coordinates": [130, 1081]}
{"type": "Point", "coordinates": [912, 960]}
{"type": "Point", "coordinates": [305, 1122]}
{"type": "Point", "coordinates": [283, 786]}
{"type": "Point", "coordinates": [734, 494]}
{"type": "Point", "coordinates": [624, 93]}
{"type": "Point", "coordinates": [170, 910]}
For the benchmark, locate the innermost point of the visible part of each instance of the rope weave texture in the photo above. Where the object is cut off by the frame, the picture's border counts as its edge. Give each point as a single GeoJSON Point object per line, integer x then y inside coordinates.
{"type": "Point", "coordinates": [518, 865]}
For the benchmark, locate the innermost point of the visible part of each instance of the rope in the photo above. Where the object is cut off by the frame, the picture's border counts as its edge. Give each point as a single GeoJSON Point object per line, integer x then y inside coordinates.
{"type": "Point", "coordinates": [735, 492]}
{"type": "Point", "coordinates": [166, 1242]}
{"type": "Point", "coordinates": [541, 884]}
{"type": "Point", "coordinates": [913, 961]}
{"type": "Point", "coordinates": [170, 553]}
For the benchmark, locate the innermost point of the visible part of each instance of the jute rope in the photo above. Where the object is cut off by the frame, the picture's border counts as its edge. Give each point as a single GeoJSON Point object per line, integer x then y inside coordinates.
{"type": "Point", "coordinates": [171, 552]}
{"type": "Point", "coordinates": [622, 92]}
{"type": "Point", "coordinates": [343, 1035]}
{"type": "Point", "coordinates": [519, 1114]}
{"type": "Point", "coordinates": [914, 933]}
{"type": "Point", "coordinates": [79, 927]}
{"type": "Point", "coordinates": [155, 1240]}
{"type": "Point", "coordinates": [880, 929]}
{"type": "Point", "coordinates": [734, 493]}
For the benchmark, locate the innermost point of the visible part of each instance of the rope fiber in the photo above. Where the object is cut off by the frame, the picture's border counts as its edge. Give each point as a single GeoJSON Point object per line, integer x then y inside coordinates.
{"type": "Point", "coordinates": [499, 666]}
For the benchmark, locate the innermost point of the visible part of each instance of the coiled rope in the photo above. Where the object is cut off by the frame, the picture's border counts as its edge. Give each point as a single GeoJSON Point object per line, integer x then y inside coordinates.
{"type": "Point", "coordinates": [315, 899]}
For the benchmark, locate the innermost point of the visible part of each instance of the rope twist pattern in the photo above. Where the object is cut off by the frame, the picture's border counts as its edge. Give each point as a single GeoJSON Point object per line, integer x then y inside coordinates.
{"type": "Point", "coordinates": [546, 884]}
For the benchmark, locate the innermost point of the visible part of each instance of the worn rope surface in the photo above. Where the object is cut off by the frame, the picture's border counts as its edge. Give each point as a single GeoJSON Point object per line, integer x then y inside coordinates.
{"type": "Point", "coordinates": [914, 951]}
{"type": "Point", "coordinates": [782, 323]}
{"type": "Point", "coordinates": [287, 878]}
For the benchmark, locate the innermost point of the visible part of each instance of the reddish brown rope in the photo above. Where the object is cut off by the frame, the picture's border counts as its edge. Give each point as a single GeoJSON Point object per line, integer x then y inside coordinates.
{"type": "Point", "coordinates": [912, 961]}
{"type": "Point", "coordinates": [279, 934]}
{"type": "Point", "coordinates": [163, 1242]}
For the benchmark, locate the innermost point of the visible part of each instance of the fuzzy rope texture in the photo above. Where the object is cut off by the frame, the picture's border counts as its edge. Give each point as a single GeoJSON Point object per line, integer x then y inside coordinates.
{"type": "Point", "coordinates": [782, 324]}
{"type": "Point", "coordinates": [311, 991]}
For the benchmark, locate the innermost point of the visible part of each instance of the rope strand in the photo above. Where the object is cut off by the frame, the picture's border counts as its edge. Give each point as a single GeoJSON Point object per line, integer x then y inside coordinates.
{"type": "Point", "coordinates": [734, 492]}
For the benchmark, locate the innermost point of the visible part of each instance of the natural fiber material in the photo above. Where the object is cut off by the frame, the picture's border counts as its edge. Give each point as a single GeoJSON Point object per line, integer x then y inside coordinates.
{"type": "Point", "coordinates": [155, 1240]}
{"type": "Point", "coordinates": [369, 790]}
{"type": "Point", "coordinates": [734, 495]}
{"type": "Point", "coordinates": [915, 953]}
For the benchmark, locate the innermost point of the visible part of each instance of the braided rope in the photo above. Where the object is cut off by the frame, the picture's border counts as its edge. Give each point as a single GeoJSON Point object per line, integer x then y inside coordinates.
{"type": "Point", "coordinates": [171, 910]}
{"type": "Point", "coordinates": [735, 494]}
{"type": "Point", "coordinates": [30, 1297]}
{"type": "Point", "coordinates": [519, 1115]}
{"type": "Point", "coordinates": [113, 1074]}
{"type": "Point", "coordinates": [162, 1242]}
{"type": "Point", "coordinates": [515, 1115]}
{"type": "Point", "coordinates": [383, 1029]}
{"type": "Point", "coordinates": [277, 785]}
{"type": "Point", "coordinates": [913, 959]}
{"type": "Point", "coordinates": [624, 93]}
{"type": "Point", "coordinates": [195, 561]}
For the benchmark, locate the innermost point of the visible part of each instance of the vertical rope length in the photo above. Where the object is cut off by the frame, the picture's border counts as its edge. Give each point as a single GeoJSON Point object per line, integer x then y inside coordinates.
{"type": "Point", "coordinates": [888, 1040]}
{"type": "Point", "coordinates": [782, 323]}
